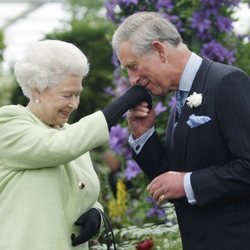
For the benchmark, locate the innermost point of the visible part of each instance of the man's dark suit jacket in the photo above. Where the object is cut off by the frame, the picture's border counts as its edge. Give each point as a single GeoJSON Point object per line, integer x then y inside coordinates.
{"type": "Point", "coordinates": [218, 155]}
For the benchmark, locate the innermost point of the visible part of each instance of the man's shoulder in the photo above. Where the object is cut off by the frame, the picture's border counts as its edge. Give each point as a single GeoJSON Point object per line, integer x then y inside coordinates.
{"type": "Point", "coordinates": [223, 69]}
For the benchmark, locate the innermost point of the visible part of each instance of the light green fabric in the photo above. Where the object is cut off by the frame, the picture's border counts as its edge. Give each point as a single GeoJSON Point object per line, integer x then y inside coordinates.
{"type": "Point", "coordinates": [40, 168]}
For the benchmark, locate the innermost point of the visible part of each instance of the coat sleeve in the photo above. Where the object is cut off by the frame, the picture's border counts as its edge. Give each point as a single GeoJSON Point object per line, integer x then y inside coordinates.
{"type": "Point", "coordinates": [153, 157]}
{"type": "Point", "coordinates": [26, 144]}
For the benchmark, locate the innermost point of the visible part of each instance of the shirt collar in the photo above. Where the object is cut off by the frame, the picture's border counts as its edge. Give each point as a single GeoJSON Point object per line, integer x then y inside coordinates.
{"type": "Point", "coordinates": [189, 72]}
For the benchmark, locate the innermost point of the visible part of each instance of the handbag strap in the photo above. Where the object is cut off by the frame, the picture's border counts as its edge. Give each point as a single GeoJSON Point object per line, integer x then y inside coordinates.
{"type": "Point", "coordinates": [108, 229]}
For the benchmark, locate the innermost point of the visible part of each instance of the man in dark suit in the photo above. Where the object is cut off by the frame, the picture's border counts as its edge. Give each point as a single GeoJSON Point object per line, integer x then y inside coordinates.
{"type": "Point", "coordinates": [204, 165]}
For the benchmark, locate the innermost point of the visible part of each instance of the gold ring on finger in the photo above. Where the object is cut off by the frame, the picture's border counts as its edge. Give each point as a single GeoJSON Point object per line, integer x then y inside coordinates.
{"type": "Point", "coordinates": [161, 198]}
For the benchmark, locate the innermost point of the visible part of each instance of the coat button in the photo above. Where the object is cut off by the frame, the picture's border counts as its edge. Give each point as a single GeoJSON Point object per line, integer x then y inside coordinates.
{"type": "Point", "coordinates": [81, 185]}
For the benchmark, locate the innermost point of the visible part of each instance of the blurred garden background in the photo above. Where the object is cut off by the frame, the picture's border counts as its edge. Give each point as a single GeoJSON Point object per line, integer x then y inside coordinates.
{"type": "Point", "coordinates": [209, 28]}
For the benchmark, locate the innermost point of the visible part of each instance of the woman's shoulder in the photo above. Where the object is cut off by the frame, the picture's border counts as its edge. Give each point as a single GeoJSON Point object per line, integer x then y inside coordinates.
{"type": "Point", "coordinates": [14, 112]}
{"type": "Point", "coordinates": [10, 110]}
{"type": "Point", "coordinates": [11, 115]}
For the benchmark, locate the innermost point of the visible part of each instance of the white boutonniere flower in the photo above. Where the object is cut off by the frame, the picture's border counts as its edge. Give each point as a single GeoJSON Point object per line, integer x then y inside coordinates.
{"type": "Point", "coordinates": [194, 100]}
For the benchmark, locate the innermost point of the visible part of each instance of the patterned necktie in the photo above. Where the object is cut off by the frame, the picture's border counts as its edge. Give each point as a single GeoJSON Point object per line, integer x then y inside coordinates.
{"type": "Point", "coordinates": [179, 94]}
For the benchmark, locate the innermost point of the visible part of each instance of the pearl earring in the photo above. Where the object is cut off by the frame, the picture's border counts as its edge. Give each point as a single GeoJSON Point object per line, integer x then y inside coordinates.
{"type": "Point", "coordinates": [37, 100]}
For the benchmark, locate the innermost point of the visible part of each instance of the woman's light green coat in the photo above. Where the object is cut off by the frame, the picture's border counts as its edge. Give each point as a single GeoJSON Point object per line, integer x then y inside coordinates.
{"type": "Point", "coordinates": [40, 169]}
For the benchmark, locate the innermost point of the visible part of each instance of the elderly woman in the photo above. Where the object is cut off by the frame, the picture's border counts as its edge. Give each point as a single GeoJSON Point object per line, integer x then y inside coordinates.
{"type": "Point", "coordinates": [47, 179]}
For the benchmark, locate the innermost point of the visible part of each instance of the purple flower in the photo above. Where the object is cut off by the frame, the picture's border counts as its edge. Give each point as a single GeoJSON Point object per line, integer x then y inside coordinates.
{"type": "Point", "coordinates": [209, 12]}
{"type": "Point", "coordinates": [115, 60]}
{"type": "Point", "coordinates": [218, 3]}
{"type": "Point", "coordinates": [117, 76]}
{"type": "Point", "coordinates": [110, 6]}
{"type": "Point", "coordinates": [119, 140]}
{"type": "Point", "coordinates": [164, 4]}
{"type": "Point", "coordinates": [132, 170]}
{"type": "Point", "coordinates": [172, 102]}
{"type": "Point", "coordinates": [224, 24]}
{"type": "Point", "coordinates": [150, 200]}
{"type": "Point", "coordinates": [217, 52]}
{"type": "Point", "coordinates": [122, 85]}
{"type": "Point", "coordinates": [212, 3]}
{"type": "Point", "coordinates": [110, 91]}
{"type": "Point", "coordinates": [200, 22]}
{"type": "Point", "coordinates": [232, 2]}
{"type": "Point", "coordinates": [156, 212]}
{"type": "Point", "coordinates": [205, 36]}
{"type": "Point", "coordinates": [177, 22]}
{"type": "Point", "coordinates": [159, 108]}
{"type": "Point", "coordinates": [128, 2]}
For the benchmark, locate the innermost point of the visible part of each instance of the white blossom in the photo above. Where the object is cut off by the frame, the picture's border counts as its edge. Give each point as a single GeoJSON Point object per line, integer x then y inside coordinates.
{"type": "Point", "coordinates": [194, 100]}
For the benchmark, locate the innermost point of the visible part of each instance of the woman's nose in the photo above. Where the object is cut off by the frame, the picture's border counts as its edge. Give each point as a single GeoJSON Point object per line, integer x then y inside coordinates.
{"type": "Point", "coordinates": [74, 102]}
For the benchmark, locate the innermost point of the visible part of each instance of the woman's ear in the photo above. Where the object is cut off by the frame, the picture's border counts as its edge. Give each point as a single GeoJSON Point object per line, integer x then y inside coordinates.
{"type": "Point", "coordinates": [160, 49]}
{"type": "Point", "coordinates": [36, 94]}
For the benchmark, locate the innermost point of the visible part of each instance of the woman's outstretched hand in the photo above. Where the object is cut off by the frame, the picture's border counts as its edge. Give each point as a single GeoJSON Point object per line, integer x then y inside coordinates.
{"type": "Point", "coordinates": [130, 99]}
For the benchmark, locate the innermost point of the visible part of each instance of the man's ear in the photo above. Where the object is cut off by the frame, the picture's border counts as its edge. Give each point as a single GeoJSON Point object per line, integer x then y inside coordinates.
{"type": "Point", "coordinates": [160, 49]}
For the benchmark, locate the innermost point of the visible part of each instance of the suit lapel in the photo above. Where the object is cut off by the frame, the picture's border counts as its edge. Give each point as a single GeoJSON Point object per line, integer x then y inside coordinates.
{"type": "Point", "coordinates": [181, 132]}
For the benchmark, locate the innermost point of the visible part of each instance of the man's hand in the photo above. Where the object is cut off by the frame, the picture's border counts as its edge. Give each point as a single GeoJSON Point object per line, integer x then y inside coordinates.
{"type": "Point", "coordinates": [90, 223]}
{"type": "Point", "coordinates": [167, 186]}
{"type": "Point", "coordinates": [140, 119]}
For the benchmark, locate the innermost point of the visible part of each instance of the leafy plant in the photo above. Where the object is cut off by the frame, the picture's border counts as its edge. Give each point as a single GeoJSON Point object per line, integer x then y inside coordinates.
{"type": "Point", "coordinates": [2, 45]}
{"type": "Point", "coordinates": [7, 86]}
{"type": "Point", "coordinates": [160, 235]}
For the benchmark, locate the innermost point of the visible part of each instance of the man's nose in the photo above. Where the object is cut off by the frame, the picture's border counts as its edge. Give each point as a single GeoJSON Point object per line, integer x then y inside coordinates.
{"type": "Point", "coordinates": [133, 78]}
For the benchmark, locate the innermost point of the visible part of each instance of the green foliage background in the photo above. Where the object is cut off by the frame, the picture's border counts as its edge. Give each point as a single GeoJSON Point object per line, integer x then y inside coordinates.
{"type": "Point", "coordinates": [2, 46]}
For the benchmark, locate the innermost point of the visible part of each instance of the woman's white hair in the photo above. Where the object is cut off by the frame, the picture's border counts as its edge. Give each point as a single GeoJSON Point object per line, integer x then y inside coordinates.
{"type": "Point", "coordinates": [143, 28]}
{"type": "Point", "coordinates": [46, 63]}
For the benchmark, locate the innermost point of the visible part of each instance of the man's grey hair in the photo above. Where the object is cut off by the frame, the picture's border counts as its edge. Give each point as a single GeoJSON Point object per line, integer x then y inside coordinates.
{"type": "Point", "coordinates": [46, 63]}
{"type": "Point", "coordinates": [143, 28]}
